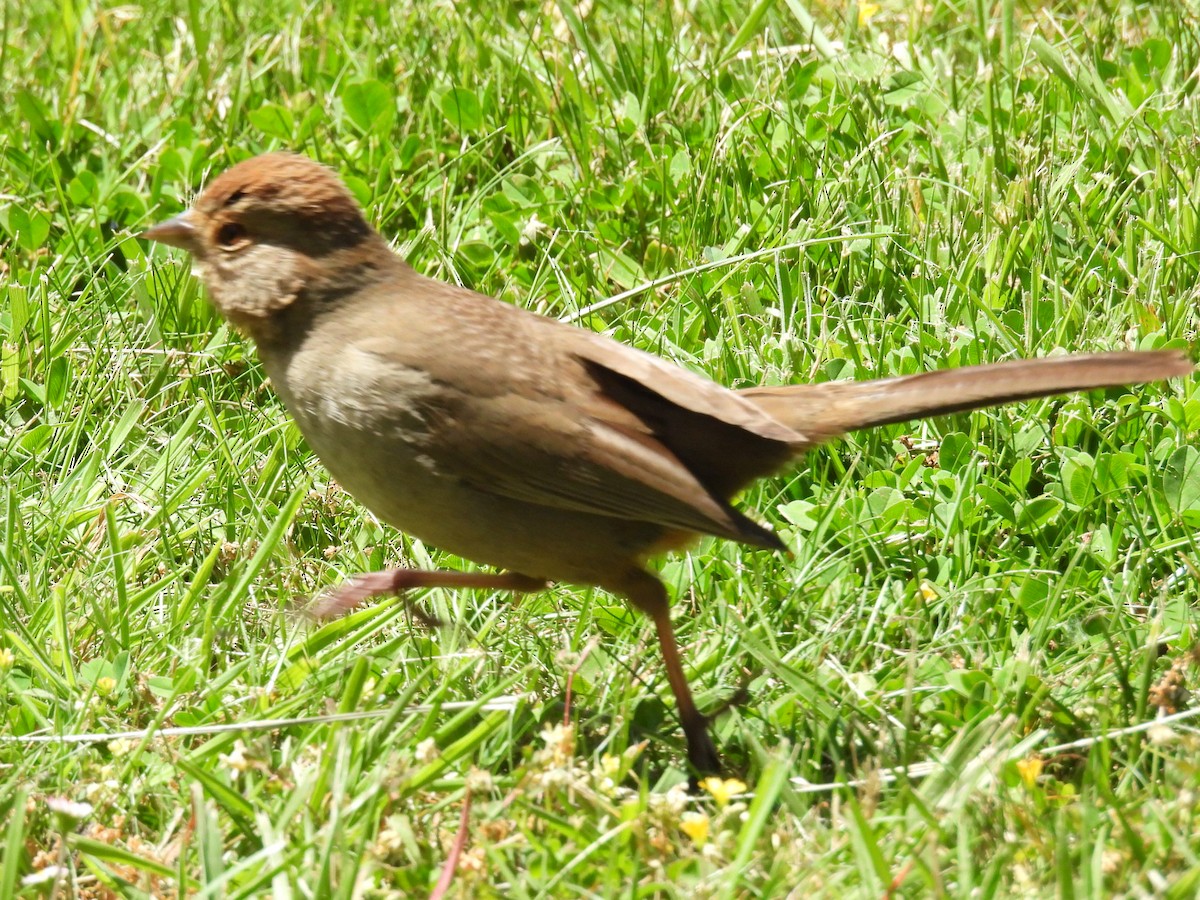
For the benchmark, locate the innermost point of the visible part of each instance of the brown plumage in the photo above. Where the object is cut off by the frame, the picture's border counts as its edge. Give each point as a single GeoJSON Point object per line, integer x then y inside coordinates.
{"type": "Point", "coordinates": [543, 450]}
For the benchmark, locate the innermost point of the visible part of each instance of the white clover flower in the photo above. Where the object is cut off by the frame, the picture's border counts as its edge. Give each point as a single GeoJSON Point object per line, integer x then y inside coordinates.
{"type": "Point", "coordinates": [69, 809]}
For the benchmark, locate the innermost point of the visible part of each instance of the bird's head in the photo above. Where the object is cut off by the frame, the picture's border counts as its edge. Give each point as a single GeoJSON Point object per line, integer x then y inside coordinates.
{"type": "Point", "coordinates": [272, 230]}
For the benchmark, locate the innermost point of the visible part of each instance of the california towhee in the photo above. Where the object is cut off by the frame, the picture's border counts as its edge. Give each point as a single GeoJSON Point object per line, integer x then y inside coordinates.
{"type": "Point", "coordinates": [549, 452]}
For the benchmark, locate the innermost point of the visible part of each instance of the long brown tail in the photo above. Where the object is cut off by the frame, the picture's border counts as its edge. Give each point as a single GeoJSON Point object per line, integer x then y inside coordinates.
{"type": "Point", "coordinates": [823, 411]}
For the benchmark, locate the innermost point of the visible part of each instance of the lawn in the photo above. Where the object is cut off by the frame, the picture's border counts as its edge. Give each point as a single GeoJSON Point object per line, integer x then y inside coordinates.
{"type": "Point", "coordinates": [969, 678]}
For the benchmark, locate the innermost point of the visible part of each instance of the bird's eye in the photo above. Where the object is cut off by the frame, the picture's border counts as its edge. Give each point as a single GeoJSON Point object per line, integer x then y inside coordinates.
{"type": "Point", "coordinates": [231, 235]}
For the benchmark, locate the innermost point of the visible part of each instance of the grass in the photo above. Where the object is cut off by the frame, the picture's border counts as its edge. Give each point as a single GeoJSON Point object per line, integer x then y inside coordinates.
{"type": "Point", "coordinates": [982, 619]}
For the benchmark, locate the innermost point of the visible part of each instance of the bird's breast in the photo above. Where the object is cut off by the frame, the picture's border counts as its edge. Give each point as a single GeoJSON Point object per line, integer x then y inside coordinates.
{"type": "Point", "coordinates": [386, 434]}
{"type": "Point", "coordinates": [367, 421]}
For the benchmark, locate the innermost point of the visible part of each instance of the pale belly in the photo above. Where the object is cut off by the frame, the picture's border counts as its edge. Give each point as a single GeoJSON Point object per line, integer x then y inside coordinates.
{"type": "Point", "coordinates": [385, 461]}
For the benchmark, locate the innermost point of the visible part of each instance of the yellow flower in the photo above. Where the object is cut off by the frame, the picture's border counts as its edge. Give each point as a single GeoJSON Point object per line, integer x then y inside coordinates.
{"type": "Point", "coordinates": [695, 826]}
{"type": "Point", "coordinates": [606, 774]}
{"type": "Point", "coordinates": [610, 766]}
{"type": "Point", "coordinates": [723, 789]}
{"type": "Point", "coordinates": [235, 760]}
{"type": "Point", "coordinates": [7, 658]}
{"type": "Point", "coordinates": [1029, 769]}
{"type": "Point", "coordinates": [866, 12]}
{"type": "Point", "coordinates": [121, 746]}
{"type": "Point", "coordinates": [560, 742]}
{"type": "Point", "coordinates": [106, 685]}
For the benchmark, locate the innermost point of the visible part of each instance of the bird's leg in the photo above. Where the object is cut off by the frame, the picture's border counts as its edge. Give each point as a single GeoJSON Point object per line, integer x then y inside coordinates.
{"type": "Point", "coordinates": [649, 595]}
{"type": "Point", "coordinates": [363, 587]}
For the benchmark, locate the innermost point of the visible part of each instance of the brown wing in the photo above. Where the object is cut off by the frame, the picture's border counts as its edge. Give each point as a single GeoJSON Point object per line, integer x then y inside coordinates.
{"type": "Point", "coordinates": [724, 439]}
{"type": "Point", "coordinates": [527, 449]}
{"type": "Point", "coordinates": [569, 419]}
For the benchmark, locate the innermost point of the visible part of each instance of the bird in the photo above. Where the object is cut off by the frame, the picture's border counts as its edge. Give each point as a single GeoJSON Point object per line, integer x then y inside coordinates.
{"type": "Point", "coordinates": [542, 451]}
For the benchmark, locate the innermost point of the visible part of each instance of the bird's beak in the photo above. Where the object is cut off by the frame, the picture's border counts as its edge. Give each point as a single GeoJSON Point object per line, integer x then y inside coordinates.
{"type": "Point", "coordinates": [177, 232]}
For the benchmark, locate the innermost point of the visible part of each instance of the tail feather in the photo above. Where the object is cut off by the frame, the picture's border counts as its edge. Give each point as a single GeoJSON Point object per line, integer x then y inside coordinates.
{"type": "Point", "coordinates": [824, 411]}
